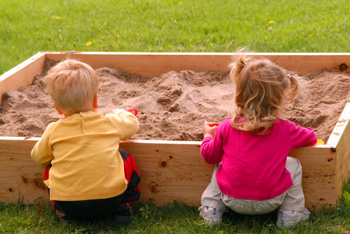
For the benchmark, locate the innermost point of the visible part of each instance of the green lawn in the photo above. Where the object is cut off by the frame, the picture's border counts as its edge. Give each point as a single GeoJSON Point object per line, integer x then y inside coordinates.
{"type": "Point", "coordinates": [171, 218]}
{"type": "Point", "coordinates": [29, 26]}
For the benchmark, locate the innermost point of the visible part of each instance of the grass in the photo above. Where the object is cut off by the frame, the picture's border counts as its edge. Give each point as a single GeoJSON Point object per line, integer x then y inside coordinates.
{"type": "Point", "coordinates": [29, 26]}
{"type": "Point", "coordinates": [170, 218]}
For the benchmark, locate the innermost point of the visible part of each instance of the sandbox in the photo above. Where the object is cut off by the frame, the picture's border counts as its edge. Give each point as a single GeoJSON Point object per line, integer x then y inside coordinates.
{"type": "Point", "coordinates": [174, 170]}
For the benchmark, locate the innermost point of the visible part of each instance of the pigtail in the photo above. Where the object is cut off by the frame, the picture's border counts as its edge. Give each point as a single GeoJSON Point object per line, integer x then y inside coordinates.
{"type": "Point", "coordinates": [239, 61]}
{"type": "Point", "coordinates": [292, 89]}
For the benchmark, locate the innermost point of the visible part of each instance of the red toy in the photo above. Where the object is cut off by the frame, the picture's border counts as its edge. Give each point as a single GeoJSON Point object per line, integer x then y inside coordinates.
{"type": "Point", "coordinates": [133, 110]}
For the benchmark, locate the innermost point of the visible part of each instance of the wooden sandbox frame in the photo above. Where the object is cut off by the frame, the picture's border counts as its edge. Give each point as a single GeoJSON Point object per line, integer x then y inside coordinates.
{"type": "Point", "coordinates": [175, 170]}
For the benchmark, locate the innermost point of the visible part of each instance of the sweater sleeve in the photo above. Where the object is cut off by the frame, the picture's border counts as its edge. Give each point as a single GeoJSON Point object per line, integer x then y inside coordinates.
{"type": "Point", "coordinates": [212, 149]}
{"type": "Point", "coordinates": [126, 122]}
{"type": "Point", "coordinates": [42, 150]}
{"type": "Point", "coordinates": [301, 136]}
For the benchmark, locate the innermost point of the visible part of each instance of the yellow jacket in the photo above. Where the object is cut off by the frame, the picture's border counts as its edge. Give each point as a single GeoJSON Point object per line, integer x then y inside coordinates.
{"type": "Point", "coordinates": [83, 151]}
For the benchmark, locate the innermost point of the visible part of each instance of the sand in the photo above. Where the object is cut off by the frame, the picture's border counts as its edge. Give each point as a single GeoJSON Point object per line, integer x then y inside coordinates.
{"type": "Point", "coordinates": [175, 105]}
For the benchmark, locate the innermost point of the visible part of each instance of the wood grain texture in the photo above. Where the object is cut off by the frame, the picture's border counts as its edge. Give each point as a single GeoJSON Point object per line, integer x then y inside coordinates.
{"type": "Point", "coordinates": [343, 161]}
{"type": "Point", "coordinates": [154, 64]}
{"type": "Point", "coordinates": [20, 177]}
{"type": "Point", "coordinates": [22, 75]}
{"type": "Point", "coordinates": [169, 171]}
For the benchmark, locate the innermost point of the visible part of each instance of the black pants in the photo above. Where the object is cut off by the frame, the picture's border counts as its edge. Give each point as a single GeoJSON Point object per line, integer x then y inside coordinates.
{"type": "Point", "coordinates": [89, 209]}
{"type": "Point", "coordinates": [93, 209]}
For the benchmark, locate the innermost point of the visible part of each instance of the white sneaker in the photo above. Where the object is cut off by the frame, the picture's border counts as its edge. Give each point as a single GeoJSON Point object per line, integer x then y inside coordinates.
{"type": "Point", "coordinates": [210, 214]}
{"type": "Point", "coordinates": [290, 218]}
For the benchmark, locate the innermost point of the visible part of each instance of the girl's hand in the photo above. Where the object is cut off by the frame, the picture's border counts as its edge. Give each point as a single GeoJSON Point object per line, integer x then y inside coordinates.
{"type": "Point", "coordinates": [209, 129]}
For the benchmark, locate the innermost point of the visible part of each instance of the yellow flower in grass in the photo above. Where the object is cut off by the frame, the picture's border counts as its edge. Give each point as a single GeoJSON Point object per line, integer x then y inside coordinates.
{"type": "Point", "coordinates": [116, 36]}
{"type": "Point", "coordinates": [271, 22]}
{"type": "Point", "coordinates": [57, 18]}
{"type": "Point", "coordinates": [89, 43]}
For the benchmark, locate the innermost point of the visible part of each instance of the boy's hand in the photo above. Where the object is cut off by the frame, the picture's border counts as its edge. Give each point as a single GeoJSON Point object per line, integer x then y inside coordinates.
{"type": "Point", "coordinates": [116, 111]}
{"type": "Point", "coordinates": [209, 129]}
{"type": "Point", "coordinates": [132, 110]}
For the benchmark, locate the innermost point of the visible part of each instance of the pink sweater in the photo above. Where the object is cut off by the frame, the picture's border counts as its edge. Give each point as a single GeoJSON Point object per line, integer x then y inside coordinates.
{"type": "Point", "coordinates": [253, 167]}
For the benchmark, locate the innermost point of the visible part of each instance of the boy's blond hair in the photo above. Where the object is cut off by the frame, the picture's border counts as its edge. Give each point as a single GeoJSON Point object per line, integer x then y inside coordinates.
{"type": "Point", "coordinates": [262, 87]}
{"type": "Point", "coordinates": [72, 85]}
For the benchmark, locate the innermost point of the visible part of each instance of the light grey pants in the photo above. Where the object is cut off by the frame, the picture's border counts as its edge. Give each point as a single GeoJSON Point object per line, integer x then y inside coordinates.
{"type": "Point", "coordinates": [292, 199]}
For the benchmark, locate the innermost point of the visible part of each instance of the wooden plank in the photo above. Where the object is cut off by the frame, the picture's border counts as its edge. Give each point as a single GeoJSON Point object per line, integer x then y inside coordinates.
{"type": "Point", "coordinates": [319, 175]}
{"type": "Point", "coordinates": [155, 64]}
{"type": "Point", "coordinates": [22, 75]}
{"type": "Point", "coordinates": [20, 177]}
{"type": "Point", "coordinates": [151, 64]}
{"type": "Point", "coordinates": [307, 63]}
{"type": "Point", "coordinates": [325, 200]}
{"type": "Point", "coordinates": [319, 154]}
{"type": "Point", "coordinates": [340, 126]}
{"type": "Point", "coordinates": [343, 160]}
{"type": "Point", "coordinates": [170, 170]}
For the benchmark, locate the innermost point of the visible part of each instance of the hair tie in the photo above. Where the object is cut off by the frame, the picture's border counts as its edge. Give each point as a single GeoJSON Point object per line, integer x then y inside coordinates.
{"type": "Point", "coordinates": [289, 76]}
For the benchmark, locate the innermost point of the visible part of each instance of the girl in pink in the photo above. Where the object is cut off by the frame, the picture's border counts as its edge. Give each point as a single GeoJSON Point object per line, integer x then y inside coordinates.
{"type": "Point", "coordinates": [253, 174]}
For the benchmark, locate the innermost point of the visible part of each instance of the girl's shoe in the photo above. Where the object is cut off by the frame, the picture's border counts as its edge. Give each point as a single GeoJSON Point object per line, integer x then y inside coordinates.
{"type": "Point", "coordinates": [290, 218]}
{"type": "Point", "coordinates": [210, 214]}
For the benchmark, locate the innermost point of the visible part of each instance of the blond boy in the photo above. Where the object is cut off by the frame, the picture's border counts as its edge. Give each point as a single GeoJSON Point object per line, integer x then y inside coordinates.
{"type": "Point", "coordinates": [88, 176]}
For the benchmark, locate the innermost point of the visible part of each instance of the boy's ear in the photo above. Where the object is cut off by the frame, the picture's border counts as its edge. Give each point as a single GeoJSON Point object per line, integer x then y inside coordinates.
{"type": "Point", "coordinates": [57, 109]}
{"type": "Point", "coordinates": [95, 104]}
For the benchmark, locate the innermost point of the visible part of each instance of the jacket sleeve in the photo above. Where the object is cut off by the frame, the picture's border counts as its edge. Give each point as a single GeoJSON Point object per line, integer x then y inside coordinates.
{"type": "Point", "coordinates": [212, 148]}
{"type": "Point", "coordinates": [42, 150]}
{"type": "Point", "coordinates": [301, 136]}
{"type": "Point", "coordinates": [126, 122]}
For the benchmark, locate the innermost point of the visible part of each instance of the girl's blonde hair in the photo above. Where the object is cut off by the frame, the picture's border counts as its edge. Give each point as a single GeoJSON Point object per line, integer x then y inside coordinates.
{"type": "Point", "coordinates": [262, 87]}
{"type": "Point", "coordinates": [72, 85]}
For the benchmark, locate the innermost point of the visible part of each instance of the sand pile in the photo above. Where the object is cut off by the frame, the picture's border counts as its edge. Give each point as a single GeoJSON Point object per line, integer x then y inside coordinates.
{"type": "Point", "coordinates": [175, 105]}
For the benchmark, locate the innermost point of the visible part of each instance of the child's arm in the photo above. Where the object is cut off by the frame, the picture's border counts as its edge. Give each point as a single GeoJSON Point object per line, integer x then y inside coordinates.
{"type": "Point", "coordinates": [211, 148]}
{"type": "Point", "coordinates": [126, 122]}
{"type": "Point", "coordinates": [42, 150]}
{"type": "Point", "coordinates": [301, 136]}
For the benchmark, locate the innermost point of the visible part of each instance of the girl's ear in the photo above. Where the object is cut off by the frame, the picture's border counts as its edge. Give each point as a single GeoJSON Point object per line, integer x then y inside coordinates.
{"type": "Point", "coordinates": [95, 103]}
{"type": "Point", "coordinates": [57, 109]}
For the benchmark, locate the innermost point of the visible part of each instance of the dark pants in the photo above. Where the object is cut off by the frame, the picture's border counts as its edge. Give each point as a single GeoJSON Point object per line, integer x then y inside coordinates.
{"type": "Point", "coordinates": [93, 209]}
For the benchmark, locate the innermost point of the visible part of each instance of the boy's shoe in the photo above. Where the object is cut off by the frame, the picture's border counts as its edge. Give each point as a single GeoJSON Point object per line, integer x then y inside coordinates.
{"type": "Point", "coordinates": [210, 214]}
{"type": "Point", "coordinates": [290, 218]}
{"type": "Point", "coordinates": [63, 217]}
{"type": "Point", "coordinates": [123, 214]}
